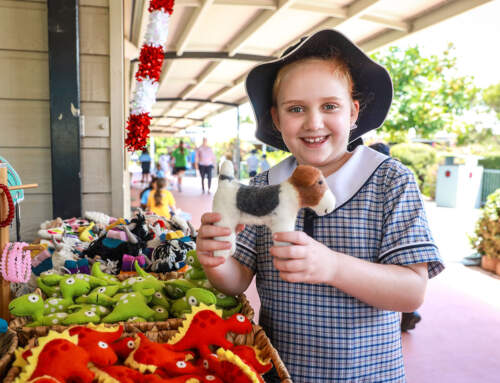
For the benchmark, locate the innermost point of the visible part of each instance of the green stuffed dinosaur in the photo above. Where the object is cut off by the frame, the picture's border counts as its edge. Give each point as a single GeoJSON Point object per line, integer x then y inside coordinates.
{"type": "Point", "coordinates": [196, 272]}
{"type": "Point", "coordinates": [100, 296]}
{"type": "Point", "coordinates": [143, 281]}
{"type": "Point", "coordinates": [85, 314]}
{"type": "Point", "coordinates": [33, 305]}
{"type": "Point", "coordinates": [160, 299]}
{"type": "Point", "coordinates": [130, 305]}
{"type": "Point", "coordinates": [194, 297]}
{"type": "Point", "coordinates": [98, 273]}
{"type": "Point", "coordinates": [177, 288]}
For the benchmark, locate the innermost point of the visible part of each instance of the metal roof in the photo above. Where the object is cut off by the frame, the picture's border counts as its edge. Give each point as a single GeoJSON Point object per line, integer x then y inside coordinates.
{"type": "Point", "coordinates": [212, 44]}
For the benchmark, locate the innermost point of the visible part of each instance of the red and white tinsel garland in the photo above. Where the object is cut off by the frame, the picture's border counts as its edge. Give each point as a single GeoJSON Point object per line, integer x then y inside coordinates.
{"type": "Point", "coordinates": [148, 74]}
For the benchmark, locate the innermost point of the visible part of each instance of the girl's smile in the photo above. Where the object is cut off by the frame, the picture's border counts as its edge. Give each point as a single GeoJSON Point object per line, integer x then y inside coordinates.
{"type": "Point", "coordinates": [314, 114]}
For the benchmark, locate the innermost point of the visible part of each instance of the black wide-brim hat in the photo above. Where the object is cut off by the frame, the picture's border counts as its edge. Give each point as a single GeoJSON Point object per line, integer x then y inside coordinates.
{"type": "Point", "coordinates": [371, 80]}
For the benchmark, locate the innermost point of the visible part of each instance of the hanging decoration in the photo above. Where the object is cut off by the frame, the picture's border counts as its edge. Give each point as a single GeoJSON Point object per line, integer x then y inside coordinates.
{"type": "Point", "coordinates": [148, 74]}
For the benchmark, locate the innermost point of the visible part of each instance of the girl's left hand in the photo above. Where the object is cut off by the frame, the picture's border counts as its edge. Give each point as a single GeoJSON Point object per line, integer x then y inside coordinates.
{"type": "Point", "coordinates": [304, 260]}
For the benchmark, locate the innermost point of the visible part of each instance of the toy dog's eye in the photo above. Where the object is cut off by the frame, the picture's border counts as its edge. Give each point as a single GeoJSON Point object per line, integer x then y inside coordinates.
{"type": "Point", "coordinates": [181, 364]}
{"type": "Point", "coordinates": [221, 295]}
{"type": "Point", "coordinates": [102, 344]}
{"type": "Point", "coordinates": [158, 294]}
{"type": "Point", "coordinates": [160, 310]}
{"type": "Point", "coordinates": [101, 290]}
{"type": "Point", "coordinates": [90, 314]}
{"type": "Point", "coordinates": [209, 377]}
{"type": "Point", "coordinates": [33, 298]}
{"type": "Point", "coordinates": [70, 281]}
{"type": "Point", "coordinates": [205, 364]}
{"type": "Point", "coordinates": [130, 344]}
{"type": "Point", "coordinates": [192, 301]}
{"type": "Point", "coordinates": [240, 318]}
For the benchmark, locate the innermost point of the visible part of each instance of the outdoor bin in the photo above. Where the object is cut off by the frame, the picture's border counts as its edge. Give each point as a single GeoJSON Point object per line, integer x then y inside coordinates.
{"type": "Point", "coordinates": [459, 185]}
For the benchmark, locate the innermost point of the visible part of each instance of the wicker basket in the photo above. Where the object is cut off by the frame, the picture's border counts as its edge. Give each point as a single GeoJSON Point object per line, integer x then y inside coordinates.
{"type": "Point", "coordinates": [8, 344]}
{"type": "Point", "coordinates": [162, 333]}
{"type": "Point", "coordinates": [25, 333]}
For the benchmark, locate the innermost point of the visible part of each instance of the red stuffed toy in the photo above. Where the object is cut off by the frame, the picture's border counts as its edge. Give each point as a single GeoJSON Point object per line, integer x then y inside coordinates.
{"type": "Point", "coordinates": [205, 327]}
{"type": "Point", "coordinates": [96, 340]}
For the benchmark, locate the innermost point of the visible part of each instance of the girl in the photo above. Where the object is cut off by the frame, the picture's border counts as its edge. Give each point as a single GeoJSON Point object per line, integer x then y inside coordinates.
{"type": "Point", "coordinates": [330, 300]}
{"type": "Point", "coordinates": [180, 163]}
{"type": "Point", "coordinates": [160, 200]}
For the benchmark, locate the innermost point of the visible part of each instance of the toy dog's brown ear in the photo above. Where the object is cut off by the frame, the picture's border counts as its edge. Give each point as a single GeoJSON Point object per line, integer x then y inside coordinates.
{"type": "Point", "coordinates": [304, 176]}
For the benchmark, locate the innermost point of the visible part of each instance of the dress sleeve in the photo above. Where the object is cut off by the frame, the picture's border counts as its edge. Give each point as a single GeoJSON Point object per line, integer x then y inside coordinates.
{"type": "Point", "coordinates": [407, 238]}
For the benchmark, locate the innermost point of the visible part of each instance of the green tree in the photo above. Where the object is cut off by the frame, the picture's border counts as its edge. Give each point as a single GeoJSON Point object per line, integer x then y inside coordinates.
{"type": "Point", "coordinates": [491, 97]}
{"type": "Point", "coordinates": [428, 94]}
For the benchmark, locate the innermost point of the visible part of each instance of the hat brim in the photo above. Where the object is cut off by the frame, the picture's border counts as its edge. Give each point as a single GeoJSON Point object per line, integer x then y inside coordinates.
{"type": "Point", "coordinates": [371, 80]}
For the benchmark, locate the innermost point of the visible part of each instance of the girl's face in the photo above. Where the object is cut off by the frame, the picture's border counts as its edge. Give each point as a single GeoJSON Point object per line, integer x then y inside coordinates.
{"type": "Point", "coordinates": [314, 112]}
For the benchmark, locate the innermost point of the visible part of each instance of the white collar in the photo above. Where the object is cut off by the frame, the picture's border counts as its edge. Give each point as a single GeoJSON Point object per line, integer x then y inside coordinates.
{"type": "Point", "coordinates": [346, 181]}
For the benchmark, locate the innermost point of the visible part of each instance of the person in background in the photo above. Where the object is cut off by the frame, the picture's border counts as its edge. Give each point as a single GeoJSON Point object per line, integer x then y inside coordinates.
{"type": "Point", "coordinates": [180, 162]}
{"type": "Point", "coordinates": [408, 320]}
{"type": "Point", "coordinates": [159, 173]}
{"type": "Point", "coordinates": [252, 163]}
{"type": "Point", "coordinates": [160, 200]}
{"type": "Point", "coordinates": [204, 162]}
{"type": "Point", "coordinates": [145, 160]}
{"type": "Point", "coordinates": [164, 162]}
{"type": "Point", "coordinates": [264, 165]}
{"type": "Point", "coordinates": [145, 194]}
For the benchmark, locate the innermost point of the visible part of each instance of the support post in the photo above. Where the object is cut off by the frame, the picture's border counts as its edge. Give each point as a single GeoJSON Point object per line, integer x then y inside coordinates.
{"type": "Point", "coordinates": [4, 239]}
{"type": "Point", "coordinates": [64, 83]}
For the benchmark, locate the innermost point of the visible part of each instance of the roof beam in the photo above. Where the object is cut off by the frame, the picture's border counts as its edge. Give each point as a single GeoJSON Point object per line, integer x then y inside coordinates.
{"type": "Point", "coordinates": [238, 82]}
{"type": "Point", "coordinates": [262, 4]}
{"type": "Point", "coordinates": [421, 22]}
{"type": "Point", "coordinates": [256, 24]}
{"type": "Point", "coordinates": [196, 17]}
{"type": "Point", "coordinates": [140, 20]}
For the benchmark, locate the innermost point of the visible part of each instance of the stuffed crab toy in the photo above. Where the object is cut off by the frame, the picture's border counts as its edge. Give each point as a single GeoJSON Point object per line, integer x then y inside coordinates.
{"type": "Point", "coordinates": [275, 206]}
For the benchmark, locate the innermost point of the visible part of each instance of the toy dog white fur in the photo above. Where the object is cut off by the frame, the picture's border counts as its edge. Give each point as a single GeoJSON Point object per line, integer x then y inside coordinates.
{"type": "Point", "coordinates": [275, 206]}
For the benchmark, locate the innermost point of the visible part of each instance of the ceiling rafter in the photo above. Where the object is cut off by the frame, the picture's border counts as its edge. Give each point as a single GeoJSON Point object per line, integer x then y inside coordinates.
{"type": "Point", "coordinates": [421, 21]}
{"type": "Point", "coordinates": [256, 24]}
{"type": "Point", "coordinates": [196, 17]}
{"type": "Point", "coordinates": [140, 20]}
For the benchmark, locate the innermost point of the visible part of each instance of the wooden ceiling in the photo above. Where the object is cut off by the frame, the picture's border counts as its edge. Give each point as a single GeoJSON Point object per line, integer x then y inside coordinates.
{"type": "Point", "coordinates": [212, 44]}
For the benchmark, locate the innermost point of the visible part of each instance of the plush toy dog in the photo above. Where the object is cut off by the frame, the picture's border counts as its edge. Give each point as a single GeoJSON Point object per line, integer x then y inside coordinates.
{"type": "Point", "coordinates": [275, 206]}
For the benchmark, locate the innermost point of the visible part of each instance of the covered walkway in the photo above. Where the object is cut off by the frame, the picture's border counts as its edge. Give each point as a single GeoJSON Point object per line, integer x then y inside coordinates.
{"type": "Point", "coordinates": [457, 339]}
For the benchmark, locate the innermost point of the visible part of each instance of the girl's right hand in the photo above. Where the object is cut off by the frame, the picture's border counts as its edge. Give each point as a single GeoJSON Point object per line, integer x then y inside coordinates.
{"type": "Point", "coordinates": [205, 242]}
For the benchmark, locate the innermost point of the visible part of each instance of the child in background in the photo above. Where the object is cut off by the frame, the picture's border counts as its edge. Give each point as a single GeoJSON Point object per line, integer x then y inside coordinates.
{"type": "Point", "coordinates": [264, 165]}
{"type": "Point", "coordinates": [331, 299]}
{"type": "Point", "coordinates": [145, 193]}
{"type": "Point", "coordinates": [159, 173]}
{"type": "Point", "coordinates": [160, 200]}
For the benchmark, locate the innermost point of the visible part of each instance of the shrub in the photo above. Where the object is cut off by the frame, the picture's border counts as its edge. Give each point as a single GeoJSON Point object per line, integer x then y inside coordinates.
{"type": "Point", "coordinates": [486, 238]}
{"type": "Point", "coordinates": [491, 162]}
{"type": "Point", "coordinates": [419, 158]}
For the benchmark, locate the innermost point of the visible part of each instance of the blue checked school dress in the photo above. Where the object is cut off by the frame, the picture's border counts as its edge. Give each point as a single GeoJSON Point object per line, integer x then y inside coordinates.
{"type": "Point", "coordinates": [321, 333]}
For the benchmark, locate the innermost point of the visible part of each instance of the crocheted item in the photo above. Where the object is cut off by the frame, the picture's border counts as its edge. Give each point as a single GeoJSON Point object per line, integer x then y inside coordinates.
{"type": "Point", "coordinates": [150, 356]}
{"type": "Point", "coordinates": [85, 313]}
{"type": "Point", "coordinates": [16, 263]}
{"type": "Point", "coordinates": [58, 357]}
{"type": "Point", "coordinates": [190, 378]}
{"type": "Point", "coordinates": [10, 206]}
{"type": "Point", "coordinates": [204, 327]}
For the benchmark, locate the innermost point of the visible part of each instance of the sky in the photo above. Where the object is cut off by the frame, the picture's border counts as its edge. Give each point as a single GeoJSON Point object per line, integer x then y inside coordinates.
{"type": "Point", "coordinates": [475, 34]}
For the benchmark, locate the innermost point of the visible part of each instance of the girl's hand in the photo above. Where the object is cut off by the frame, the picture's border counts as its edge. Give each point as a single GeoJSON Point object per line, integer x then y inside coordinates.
{"type": "Point", "coordinates": [206, 245]}
{"type": "Point", "coordinates": [305, 260]}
